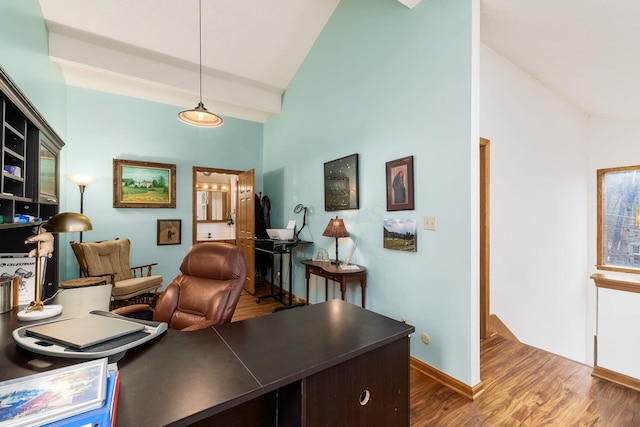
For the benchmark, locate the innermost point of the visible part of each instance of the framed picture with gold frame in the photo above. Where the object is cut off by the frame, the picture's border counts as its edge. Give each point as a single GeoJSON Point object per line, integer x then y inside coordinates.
{"type": "Point", "coordinates": [143, 184]}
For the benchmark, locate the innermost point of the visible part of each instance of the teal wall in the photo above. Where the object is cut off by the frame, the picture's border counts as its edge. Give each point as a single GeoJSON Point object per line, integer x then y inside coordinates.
{"type": "Point", "coordinates": [104, 127]}
{"type": "Point", "coordinates": [382, 81]}
{"type": "Point", "coordinates": [24, 54]}
{"type": "Point", "coordinates": [387, 82]}
{"type": "Point", "coordinates": [98, 127]}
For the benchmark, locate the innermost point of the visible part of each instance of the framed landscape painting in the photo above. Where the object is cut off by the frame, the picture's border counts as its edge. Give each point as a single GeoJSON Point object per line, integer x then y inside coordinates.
{"type": "Point", "coordinates": [143, 184]}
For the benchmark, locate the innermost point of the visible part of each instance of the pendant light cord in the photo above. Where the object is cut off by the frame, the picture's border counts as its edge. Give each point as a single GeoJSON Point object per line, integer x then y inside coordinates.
{"type": "Point", "coordinates": [200, 15]}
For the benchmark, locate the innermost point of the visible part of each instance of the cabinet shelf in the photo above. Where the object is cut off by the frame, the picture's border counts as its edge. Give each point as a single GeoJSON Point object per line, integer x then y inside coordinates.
{"type": "Point", "coordinates": [10, 152]}
{"type": "Point", "coordinates": [7, 175]}
{"type": "Point", "coordinates": [18, 135]}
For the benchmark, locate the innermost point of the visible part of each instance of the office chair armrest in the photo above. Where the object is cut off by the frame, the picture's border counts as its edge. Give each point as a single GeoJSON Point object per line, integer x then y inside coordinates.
{"type": "Point", "coordinates": [131, 309]}
{"type": "Point", "coordinates": [137, 268]}
{"type": "Point", "coordinates": [198, 326]}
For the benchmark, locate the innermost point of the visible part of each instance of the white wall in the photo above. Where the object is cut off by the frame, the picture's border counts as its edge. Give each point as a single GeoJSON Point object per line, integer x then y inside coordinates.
{"type": "Point", "coordinates": [539, 203]}
{"type": "Point", "coordinates": [611, 143]}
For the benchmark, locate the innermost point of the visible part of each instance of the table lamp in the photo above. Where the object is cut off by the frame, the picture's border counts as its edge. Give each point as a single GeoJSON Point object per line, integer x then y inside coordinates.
{"type": "Point", "coordinates": [61, 223]}
{"type": "Point", "coordinates": [336, 229]}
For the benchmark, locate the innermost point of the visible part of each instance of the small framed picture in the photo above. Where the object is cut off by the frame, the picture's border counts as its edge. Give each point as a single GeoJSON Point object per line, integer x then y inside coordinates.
{"type": "Point", "coordinates": [169, 231]}
{"type": "Point", "coordinates": [400, 184]}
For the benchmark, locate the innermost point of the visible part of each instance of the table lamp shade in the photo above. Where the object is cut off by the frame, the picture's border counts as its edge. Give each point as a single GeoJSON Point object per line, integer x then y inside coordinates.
{"type": "Point", "coordinates": [66, 222]}
{"type": "Point", "coordinates": [336, 229]}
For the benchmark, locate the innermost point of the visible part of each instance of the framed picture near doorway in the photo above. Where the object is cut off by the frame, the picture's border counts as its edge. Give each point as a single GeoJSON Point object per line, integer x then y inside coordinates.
{"type": "Point", "coordinates": [400, 184]}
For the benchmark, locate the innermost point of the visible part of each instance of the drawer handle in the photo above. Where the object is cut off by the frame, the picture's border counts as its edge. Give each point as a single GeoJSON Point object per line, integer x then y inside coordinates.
{"type": "Point", "coordinates": [364, 397]}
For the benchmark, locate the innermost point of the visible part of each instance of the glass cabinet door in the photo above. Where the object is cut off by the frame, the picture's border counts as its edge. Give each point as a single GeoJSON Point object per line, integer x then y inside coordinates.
{"type": "Point", "coordinates": [48, 173]}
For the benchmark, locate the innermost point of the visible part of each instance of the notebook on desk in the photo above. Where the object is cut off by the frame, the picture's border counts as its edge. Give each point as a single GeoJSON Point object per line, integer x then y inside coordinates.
{"type": "Point", "coordinates": [85, 331]}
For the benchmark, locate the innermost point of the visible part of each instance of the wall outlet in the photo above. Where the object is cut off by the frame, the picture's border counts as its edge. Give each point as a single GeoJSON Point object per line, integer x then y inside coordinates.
{"type": "Point", "coordinates": [426, 339]}
{"type": "Point", "coordinates": [430, 223]}
{"type": "Point", "coordinates": [404, 319]}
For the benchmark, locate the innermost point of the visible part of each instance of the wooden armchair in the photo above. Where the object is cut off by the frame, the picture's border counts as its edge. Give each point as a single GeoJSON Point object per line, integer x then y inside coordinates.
{"type": "Point", "coordinates": [110, 259]}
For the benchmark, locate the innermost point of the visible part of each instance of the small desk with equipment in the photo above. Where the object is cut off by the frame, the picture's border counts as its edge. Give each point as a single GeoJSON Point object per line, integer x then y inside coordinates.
{"type": "Point", "coordinates": [338, 273]}
{"type": "Point", "coordinates": [270, 248]}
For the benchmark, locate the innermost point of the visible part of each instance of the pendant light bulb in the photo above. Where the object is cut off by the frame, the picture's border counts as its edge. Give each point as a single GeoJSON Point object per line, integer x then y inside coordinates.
{"type": "Point", "coordinates": [199, 115]}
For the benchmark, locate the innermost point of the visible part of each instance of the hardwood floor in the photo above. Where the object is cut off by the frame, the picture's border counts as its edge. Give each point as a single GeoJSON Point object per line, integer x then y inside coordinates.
{"type": "Point", "coordinates": [524, 386]}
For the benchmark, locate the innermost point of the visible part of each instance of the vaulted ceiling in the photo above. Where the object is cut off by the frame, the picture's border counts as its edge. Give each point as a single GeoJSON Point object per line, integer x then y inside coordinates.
{"type": "Point", "coordinates": [584, 50]}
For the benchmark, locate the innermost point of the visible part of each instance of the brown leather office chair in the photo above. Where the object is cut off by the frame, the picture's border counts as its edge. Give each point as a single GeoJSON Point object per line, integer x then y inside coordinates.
{"type": "Point", "coordinates": [205, 292]}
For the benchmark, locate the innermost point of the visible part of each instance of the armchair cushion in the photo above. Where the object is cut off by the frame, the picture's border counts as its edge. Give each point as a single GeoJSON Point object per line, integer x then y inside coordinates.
{"type": "Point", "coordinates": [135, 286]}
{"type": "Point", "coordinates": [108, 257]}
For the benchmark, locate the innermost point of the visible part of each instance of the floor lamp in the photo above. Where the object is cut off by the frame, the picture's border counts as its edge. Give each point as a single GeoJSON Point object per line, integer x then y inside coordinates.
{"type": "Point", "coordinates": [82, 181]}
{"type": "Point", "coordinates": [61, 223]}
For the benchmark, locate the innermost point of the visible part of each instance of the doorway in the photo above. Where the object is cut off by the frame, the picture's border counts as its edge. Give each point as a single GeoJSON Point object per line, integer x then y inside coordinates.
{"type": "Point", "coordinates": [222, 210]}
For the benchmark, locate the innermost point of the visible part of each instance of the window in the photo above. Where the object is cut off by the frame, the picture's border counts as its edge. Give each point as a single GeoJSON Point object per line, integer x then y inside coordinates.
{"type": "Point", "coordinates": [619, 219]}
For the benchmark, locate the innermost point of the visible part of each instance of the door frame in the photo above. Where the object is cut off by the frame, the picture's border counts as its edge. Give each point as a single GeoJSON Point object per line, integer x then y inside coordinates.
{"type": "Point", "coordinates": [485, 307]}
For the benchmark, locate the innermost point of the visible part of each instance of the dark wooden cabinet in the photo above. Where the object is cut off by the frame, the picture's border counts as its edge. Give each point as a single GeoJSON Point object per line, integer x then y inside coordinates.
{"type": "Point", "coordinates": [30, 168]}
{"type": "Point", "coordinates": [355, 393]}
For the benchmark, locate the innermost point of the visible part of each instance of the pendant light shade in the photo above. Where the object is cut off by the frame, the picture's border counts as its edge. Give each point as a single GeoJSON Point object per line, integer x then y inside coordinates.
{"type": "Point", "coordinates": [200, 116]}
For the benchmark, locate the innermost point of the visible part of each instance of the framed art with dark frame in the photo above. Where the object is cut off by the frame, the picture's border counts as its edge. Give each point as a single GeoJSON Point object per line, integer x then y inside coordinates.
{"type": "Point", "coordinates": [341, 184]}
{"type": "Point", "coordinates": [400, 184]}
{"type": "Point", "coordinates": [169, 231]}
{"type": "Point", "coordinates": [143, 184]}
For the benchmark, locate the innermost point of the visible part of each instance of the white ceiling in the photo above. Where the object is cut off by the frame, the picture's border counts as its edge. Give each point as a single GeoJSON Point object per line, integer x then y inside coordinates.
{"type": "Point", "coordinates": [149, 49]}
{"type": "Point", "coordinates": [584, 50]}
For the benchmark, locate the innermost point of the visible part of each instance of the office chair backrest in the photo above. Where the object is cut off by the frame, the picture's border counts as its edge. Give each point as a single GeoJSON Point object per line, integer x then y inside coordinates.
{"type": "Point", "coordinates": [207, 289]}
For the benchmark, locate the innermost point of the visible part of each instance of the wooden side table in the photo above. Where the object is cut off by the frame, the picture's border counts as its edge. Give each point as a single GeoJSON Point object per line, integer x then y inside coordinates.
{"type": "Point", "coordinates": [337, 274]}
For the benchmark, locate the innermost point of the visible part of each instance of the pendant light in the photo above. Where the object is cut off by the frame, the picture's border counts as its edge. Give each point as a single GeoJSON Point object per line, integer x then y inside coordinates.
{"type": "Point", "coordinates": [200, 116]}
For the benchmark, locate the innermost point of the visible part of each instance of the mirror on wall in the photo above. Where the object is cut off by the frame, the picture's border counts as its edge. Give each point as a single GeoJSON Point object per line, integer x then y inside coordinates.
{"type": "Point", "coordinates": [212, 201]}
{"type": "Point", "coordinates": [214, 204]}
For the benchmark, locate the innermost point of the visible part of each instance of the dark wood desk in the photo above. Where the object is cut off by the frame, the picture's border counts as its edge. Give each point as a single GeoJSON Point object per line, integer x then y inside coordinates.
{"type": "Point", "coordinates": [334, 272]}
{"type": "Point", "coordinates": [331, 364]}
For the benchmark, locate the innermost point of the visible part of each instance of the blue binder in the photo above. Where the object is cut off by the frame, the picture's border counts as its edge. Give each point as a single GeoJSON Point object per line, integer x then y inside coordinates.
{"type": "Point", "coordinates": [99, 417]}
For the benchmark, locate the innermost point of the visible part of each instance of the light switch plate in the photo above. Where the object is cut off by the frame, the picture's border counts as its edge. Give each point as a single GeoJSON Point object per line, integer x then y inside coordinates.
{"type": "Point", "coordinates": [430, 223]}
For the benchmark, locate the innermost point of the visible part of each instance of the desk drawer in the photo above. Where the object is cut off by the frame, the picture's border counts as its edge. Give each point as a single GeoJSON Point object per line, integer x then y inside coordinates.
{"type": "Point", "coordinates": [369, 390]}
